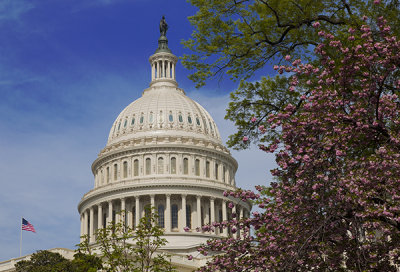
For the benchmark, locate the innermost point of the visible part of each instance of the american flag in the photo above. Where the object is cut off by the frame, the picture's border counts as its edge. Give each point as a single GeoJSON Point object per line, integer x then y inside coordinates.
{"type": "Point", "coordinates": [27, 226]}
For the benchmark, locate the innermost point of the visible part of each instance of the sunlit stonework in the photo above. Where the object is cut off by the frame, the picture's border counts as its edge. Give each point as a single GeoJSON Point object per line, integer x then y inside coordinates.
{"type": "Point", "coordinates": [164, 150]}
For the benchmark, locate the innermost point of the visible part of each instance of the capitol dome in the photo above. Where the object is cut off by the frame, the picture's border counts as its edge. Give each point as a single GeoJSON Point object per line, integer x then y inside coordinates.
{"type": "Point", "coordinates": [164, 150]}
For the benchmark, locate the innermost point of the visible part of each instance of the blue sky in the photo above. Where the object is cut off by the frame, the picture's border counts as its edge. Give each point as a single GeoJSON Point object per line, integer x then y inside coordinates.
{"type": "Point", "coordinates": [67, 68]}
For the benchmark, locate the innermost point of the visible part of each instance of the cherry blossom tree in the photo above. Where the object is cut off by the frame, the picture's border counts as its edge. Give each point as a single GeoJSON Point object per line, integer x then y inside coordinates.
{"type": "Point", "coordinates": [335, 203]}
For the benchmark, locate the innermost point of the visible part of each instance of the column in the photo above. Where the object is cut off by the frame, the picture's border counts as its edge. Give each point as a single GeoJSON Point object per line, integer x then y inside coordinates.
{"type": "Point", "coordinates": [86, 222]}
{"type": "Point", "coordinates": [152, 201]}
{"type": "Point", "coordinates": [123, 211]}
{"type": "Point", "coordinates": [198, 211]}
{"type": "Point", "coordinates": [137, 211]}
{"type": "Point", "coordinates": [168, 69]}
{"type": "Point", "coordinates": [163, 68]}
{"type": "Point", "coordinates": [240, 217]}
{"type": "Point", "coordinates": [91, 225]}
{"type": "Point", "coordinates": [212, 208]}
{"type": "Point", "coordinates": [152, 71]}
{"type": "Point", "coordinates": [99, 216]}
{"type": "Point", "coordinates": [82, 221]}
{"type": "Point", "coordinates": [224, 217]}
{"type": "Point", "coordinates": [173, 70]}
{"type": "Point", "coordinates": [168, 213]}
{"type": "Point", "coordinates": [110, 213]}
{"type": "Point", "coordinates": [183, 210]}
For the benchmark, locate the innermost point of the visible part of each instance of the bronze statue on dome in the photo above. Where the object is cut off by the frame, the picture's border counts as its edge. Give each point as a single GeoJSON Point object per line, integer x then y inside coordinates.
{"type": "Point", "coordinates": [163, 27]}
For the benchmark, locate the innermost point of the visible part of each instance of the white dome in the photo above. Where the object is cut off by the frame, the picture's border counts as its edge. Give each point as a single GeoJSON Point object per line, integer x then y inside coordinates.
{"type": "Point", "coordinates": [164, 110]}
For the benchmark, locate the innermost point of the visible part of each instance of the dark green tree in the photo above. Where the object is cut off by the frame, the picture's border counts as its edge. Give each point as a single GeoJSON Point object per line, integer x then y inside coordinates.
{"type": "Point", "coordinates": [45, 261]}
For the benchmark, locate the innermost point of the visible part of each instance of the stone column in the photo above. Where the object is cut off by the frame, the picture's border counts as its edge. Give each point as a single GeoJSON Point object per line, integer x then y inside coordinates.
{"type": "Point", "coordinates": [183, 210]}
{"type": "Point", "coordinates": [212, 209]}
{"type": "Point", "coordinates": [152, 71]}
{"type": "Point", "coordinates": [99, 216]}
{"type": "Point", "coordinates": [168, 213]}
{"type": "Point", "coordinates": [198, 211]}
{"type": "Point", "coordinates": [123, 211]}
{"type": "Point", "coordinates": [91, 225]}
{"type": "Point", "coordinates": [82, 222]}
{"type": "Point", "coordinates": [137, 211]}
{"type": "Point", "coordinates": [224, 217]}
{"type": "Point", "coordinates": [86, 222]}
{"type": "Point", "coordinates": [110, 213]}
{"type": "Point", "coordinates": [152, 201]}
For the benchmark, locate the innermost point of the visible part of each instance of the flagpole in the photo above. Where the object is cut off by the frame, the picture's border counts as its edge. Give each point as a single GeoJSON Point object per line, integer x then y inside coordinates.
{"type": "Point", "coordinates": [20, 242]}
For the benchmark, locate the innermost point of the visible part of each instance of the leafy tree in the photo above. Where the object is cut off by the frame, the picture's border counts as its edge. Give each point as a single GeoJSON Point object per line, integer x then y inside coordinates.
{"type": "Point", "coordinates": [123, 248]}
{"type": "Point", "coordinates": [240, 36]}
{"type": "Point", "coordinates": [44, 261]}
{"type": "Point", "coordinates": [335, 203]}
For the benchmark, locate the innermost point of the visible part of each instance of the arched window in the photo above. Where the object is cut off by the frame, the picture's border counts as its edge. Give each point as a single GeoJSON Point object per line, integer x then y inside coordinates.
{"type": "Point", "coordinates": [188, 216]}
{"type": "Point", "coordinates": [125, 123]}
{"type": "Point", "coordinates": [160, 165]}
{"type": "Point", "coordinates": [174, 216]}
{"type": "Point", "coordinates": [186, 166]}
{"type": "Point", "coordinates": [173, 165]}
{"type": "Point", "coordinates": [136, 167]}
{"type": "Point", "coordinates": [151, 118]}
{"type": "Point", "coordinates": [207, 169]}
{"type": "Point", "coordinates": [223, 174]}
{"type": "Point", "coordinates": [125, 169]}
{"type": "Point", "coordinates": [170, 117]}
{"type": "Point", "coordinates": [161, 220]}
{"type": "Point", "coordinates": [115, 171]}
{"type": "Point", "coordinates": [133, 121]}
{"type": "Point", "coordinates": [216, 171]}
{"type": "Point", "coordinates": [148, 166]}
{"type": "Point", "coordinates": [197, 167]}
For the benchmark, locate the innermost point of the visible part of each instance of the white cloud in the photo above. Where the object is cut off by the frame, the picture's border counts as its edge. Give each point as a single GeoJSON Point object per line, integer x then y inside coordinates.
{"type": "Point", "coordinates": [13, 9]}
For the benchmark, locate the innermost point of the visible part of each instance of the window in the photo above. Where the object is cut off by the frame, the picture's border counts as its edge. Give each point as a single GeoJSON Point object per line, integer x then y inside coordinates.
{"type": "Point", "coordinates": [136, 167]}
{"type": "Point", "coordinates": [151, 117]}
{"type": "Point", "coordinates": [186, 166]}
{"type": "Point", "coordinates": [104, 220]}
{"type": "Point", "coordinates": [180, 118]}
{"type": "Point", "coordinates": [188, 216]}
{"type": "Point", "coordinates": [189, 119]}
{"type": "Point", "coordinates": [161, 216]}
{"type": "Point", "coordinates": [133, 121]}
{"type": "Point", "coordinates": [115, 171]}
{"type": "Point", "coordinates": [119, 125]}
{"type": "Point", "coordinates": [171, 117]}
{"type": "Point", "coordinates": [108, 174]}
{"type": "Point", "coordinates": [207, 169]}
{"type": "Point", "coordinates": [216, 171]}
{"type": "Point", "coordinates": [198, 121]}
{"type": "Point", "coordinates": [173, 165]}
{"type": "Point", "coordinates": [125, 123]}
{"type": "Point", "coordinates": [148, 166]}
{"type": "Point", "coordinates": [197, 167]}
{"type": "Point", "coordinates": [125, 169]}
{"type": "Point", "coordinates": [223, 174]}
{"type": "Point", "coordinates": [141, 119]}
{"type": "Point", "coordinates": [174, 216]}
{"type": "Point", "coordinates": [160, 165]}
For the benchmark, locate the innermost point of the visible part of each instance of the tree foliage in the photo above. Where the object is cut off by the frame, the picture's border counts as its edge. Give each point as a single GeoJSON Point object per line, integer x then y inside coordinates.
{"type": "Point", "coordinates": [335, 203]}
{"type": "Point", "coordinates": [46, 261]}
{"type": "Point", "coordinates": [123, 248]}
{"type": "Point", "coordinates": [240, 36]}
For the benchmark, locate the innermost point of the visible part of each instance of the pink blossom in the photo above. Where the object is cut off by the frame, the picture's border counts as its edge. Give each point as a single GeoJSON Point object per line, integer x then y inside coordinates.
{"type": "Point", "coordinates": [245, 139]}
